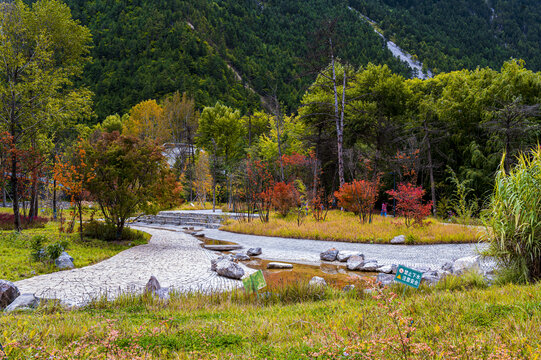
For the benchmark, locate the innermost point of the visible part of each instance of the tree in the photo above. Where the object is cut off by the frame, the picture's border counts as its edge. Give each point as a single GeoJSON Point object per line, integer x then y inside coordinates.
{"type": "Point", "coordinates": [128, 175]}
{"type": "Point", "coordinates": [410, 203]}
{"type": "Point", "coordinates": [359, 197]}
{"type": "Point", "coordinates": [146, 121]}
{"type": "Point", "coordinates": [42, 50]}
{"type": "Point", "coordinates": [73, 172]}
{"type": "Point", "coordinates": [285, 197]}
{"type": "Point", "coordinates": [202, 177]}
{"type": "Point", "coordinates": [221, 134]}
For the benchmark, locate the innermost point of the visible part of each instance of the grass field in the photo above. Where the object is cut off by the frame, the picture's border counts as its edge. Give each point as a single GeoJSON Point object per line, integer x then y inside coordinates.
{"type": "Point", "coordinates": [15, 260]}
{"type": "Point", "coordinates": [344, 226]}
{"type": "Point", "coordinates": [296, 322]}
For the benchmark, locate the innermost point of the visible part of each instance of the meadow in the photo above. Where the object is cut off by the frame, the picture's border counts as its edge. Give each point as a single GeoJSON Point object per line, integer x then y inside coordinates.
{"type": "Point", "coordinates": [458, 319]}
{"type": "Point", "coordinates": [344, 226]}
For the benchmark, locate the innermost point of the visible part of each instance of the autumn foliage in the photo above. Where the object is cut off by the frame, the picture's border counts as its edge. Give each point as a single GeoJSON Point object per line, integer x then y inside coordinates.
{"type": "Point", "coordinates": [359, 197]}
{"type": "Point", "coordinates": [285, 197]}
{"type": "Point", "coordinates": [410, 204]}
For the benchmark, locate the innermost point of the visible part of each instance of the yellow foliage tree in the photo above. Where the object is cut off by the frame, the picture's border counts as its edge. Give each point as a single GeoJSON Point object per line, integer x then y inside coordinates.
{"type": "Point", "coordinates": [147, 121]}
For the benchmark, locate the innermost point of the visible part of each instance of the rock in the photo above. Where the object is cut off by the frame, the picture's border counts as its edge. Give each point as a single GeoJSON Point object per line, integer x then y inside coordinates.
{"type": "Point", "coordinates": [400, 239]}
{"type": "Point", "coordinates": [343, 255]}
{"type": "Point", "coordinates": [348, 288]}
{"type": "Point", "coordinates": [370, 266]}
{"type": "Point", "coordinates": [199, 234]}
{"type": "Point", "coordinates": [387, 269]}
{"type": "Point", "coordinates": [222, 247]}
{"type": "Point", "coordinates": [253, 251]}
{"type": "Point", "coordinates": [317, 281]}
{"type": "Point", "coordinates": [431, 277]}
{"type": "Point", "coordinates": [8, 293]}
{"type": "Point", "coordinates": [23, 302]}
{"type": "Point", "coordinates": [153, 285]}
{"type": "Point", "coordinates": [229, 269]}
{"type": "Point", "coordinates": [64, 261]}
{"type": "Point", "coordinates": [466, 263]}
{"type": "Point", "coordinates": [241, 257]}
{"type": "Point", "coordinates": [355, 262]}
{"type": "Point", "coordinates": [215, 262]}
{"type": "Point", "coordinates": [329, 255]}
{"type": "Point", "coordinates": [279, 265]}
{"type": "Point", "coordinates": [448, 266]}
{"type": "Point", "coordinates": [384, 279]}
{"type": "Point", "coordinates": [395, 268]}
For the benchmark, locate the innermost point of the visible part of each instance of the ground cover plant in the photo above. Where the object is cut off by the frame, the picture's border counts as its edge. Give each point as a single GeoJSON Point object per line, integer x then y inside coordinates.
{"type": "Point", "coordinates": [294, 322]}
{"type": "Point", "coordinates": [343, 226]}
{"type": "Point", "coordinates": [16, 262]}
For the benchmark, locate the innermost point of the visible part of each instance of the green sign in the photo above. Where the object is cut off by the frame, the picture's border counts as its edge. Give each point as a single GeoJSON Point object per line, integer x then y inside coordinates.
{"type": "Point", "coordinates": [254, 282]}
{"type": "Point", "coordinates": [408, 276]}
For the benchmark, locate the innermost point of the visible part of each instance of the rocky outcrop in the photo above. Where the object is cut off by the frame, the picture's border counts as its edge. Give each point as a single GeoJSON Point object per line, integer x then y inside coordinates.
{"type": "Point", "coordinates": [229, 269]}
{"type": "Point", "coordinates": [8, 293]}
{"type": "Point", "coordinates": [254, 251]}
{"type": "Point", "coordinates": [22, 303]}
{"type": "Point", "coordinates": [64, 261]}
{"type": "Point", "coordinates": [355, 262]}
{"type": "Point", "coordinates": [329, 255]}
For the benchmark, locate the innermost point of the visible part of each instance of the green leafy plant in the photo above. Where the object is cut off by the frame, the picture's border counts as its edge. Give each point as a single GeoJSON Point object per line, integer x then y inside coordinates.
{"type": "Point", "coordinates": [463, 208]}
{"type": "Point", "coordinates": [513, 218]}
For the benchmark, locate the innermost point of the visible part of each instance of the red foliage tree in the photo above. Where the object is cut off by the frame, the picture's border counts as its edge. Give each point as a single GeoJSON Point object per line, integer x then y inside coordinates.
{"type": "Point", "coordinates": [258, 188]}
{"type": "Point", "coordinates": [359, 197]}
{"type": "Point", "coordinates": [410, 203]}
{"type": "Point", "coordinates": [285, 197]}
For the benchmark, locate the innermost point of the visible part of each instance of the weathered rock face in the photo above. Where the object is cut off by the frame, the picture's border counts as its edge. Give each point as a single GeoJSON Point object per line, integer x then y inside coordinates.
{"type": "Point", "coordinates": [466, 263]}
{"type": "Point", "coordinates": [23, 302]}
{"type": "Point", "coordinates": [355, 262]}
{"type": "Point", "coordinates": [241, 257]}
{"type": "Point", "coordinates": [279, 265]}
{"type": "Point", "coordinates": [343, 255]}
{"type": "Point", "coordinates": [400, 239]}
{"type": "Point", "coordinates": [254, 251]}
{"type": "Point", "coordinates": [8, 293]}
{"type": "Point", "coordinates": [153, 285]}
{"type": "Point", "coordinates": [387, 269]}
{"type": "Point", "coordinates": [317, 281]}
{"type": "Point", "coordinates": [215, 262]}
{"type": "Point", "coordinates": [64, 261]}
{"type": "Point", "coordinates": [370, 266]}
{"type": "Point", "coordinates": [229, 269]}
{"type": "Point", "coordinates": [329, 255]}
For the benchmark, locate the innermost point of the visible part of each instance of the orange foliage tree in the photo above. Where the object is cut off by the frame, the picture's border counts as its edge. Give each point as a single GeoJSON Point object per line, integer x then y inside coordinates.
{"type": "Point", "coordinates": [285, 197]}
{"type": "Point", "coordinates": [410, 203]}
{"type": "Point", "coordinates": [72, 173]}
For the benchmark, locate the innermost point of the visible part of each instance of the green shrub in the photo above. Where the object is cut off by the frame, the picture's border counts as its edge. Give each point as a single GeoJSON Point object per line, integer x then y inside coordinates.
{"type": "Point", "coordinates": [48, 253]}
{"type": "Point", "coordinates": [107, 232]}
{"type": "Point", "coordinates": [513, 218]}
{"type": "Point", "coordinates": [411, 239]}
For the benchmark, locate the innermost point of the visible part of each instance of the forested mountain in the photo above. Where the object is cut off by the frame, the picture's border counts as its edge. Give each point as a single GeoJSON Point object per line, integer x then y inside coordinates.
{"type": "Point", "coordinates": [147, 49]}
{"type": "Point", "coordinates": [238, 51]}
{"type": "Point", "coordinates": [455, 34]}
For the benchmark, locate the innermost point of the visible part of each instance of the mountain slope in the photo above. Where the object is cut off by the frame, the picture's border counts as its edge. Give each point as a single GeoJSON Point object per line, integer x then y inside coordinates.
{"type": "Point", "coordinates": [147, 49]}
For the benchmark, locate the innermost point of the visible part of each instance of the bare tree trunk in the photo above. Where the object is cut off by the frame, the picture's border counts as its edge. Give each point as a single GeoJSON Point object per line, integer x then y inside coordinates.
{"type": "Point", "coordinates": [278, 115]}
{"type": "Point", "coordinates": [80, 221]}
{"type": "Point", "coordinates": [15, 185]}
{"type": "Point", "coordinates": [4, 195]}
{"type": "Point", "coordinates": [431, 172]}
{"type": "Point", "coordinates": [339, 128]}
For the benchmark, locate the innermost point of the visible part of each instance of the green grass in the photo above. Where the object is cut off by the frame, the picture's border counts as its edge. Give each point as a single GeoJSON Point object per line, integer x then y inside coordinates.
{"type": "Point", "coordinates": [494, 323]}
{"type": "Point", "coordinates": [344, 226]}
{"type": "Point", "coordinates": [15, 260]}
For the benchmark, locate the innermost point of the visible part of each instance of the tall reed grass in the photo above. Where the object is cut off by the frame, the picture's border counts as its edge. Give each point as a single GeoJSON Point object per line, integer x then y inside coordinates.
{"type": "Point", "coordinates": [514, 218]}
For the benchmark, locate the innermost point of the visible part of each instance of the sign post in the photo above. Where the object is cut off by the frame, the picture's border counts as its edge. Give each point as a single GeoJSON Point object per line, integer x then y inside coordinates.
{"type": "Point", "coordinates": [408, 277]}
{"type": "Point", "coordinates": [254, 282]}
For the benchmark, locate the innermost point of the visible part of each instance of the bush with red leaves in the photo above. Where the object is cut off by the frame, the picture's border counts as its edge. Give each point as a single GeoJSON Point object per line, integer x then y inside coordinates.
{"type": "Point", "coordinates": [410, 205]}
{"type": "Point", "coordinates": [359, 197]}
{"type": "Point", "coordinates": [285, 197]}
{"type": "Point", "coordinates": [7, 221]}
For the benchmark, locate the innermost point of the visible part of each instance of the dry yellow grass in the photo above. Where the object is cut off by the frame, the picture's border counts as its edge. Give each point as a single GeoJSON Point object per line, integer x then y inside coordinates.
{"type": "Point", "coordinates": [343, 226]}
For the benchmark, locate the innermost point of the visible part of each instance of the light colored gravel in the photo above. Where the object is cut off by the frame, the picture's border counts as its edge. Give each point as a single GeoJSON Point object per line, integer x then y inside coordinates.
{"type": "Point", "coordinates": [175, 258]}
